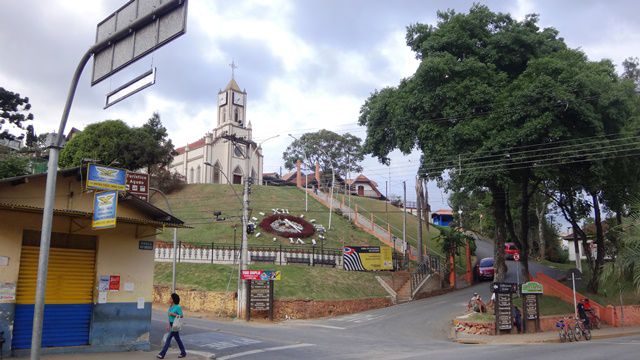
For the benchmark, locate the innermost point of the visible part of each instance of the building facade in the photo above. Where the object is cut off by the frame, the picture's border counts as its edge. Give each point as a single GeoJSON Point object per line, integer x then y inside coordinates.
{"type": "Point", "coordinates": [99, 282]}
{"type": "Point", "coordinates": [213, 159]}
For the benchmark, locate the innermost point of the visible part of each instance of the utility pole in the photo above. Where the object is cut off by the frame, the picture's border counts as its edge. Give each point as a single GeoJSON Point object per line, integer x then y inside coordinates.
{"type": "Point", "coordinates": [419, 210]}
{"type": "Point", "coordinates": [404, 218]}
{"type": "Point", "coordinates": [175, 241]}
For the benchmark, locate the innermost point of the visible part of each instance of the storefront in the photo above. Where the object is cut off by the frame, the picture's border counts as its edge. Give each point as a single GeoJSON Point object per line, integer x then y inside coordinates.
{"type": "Point", "coordinates": [99, 282]}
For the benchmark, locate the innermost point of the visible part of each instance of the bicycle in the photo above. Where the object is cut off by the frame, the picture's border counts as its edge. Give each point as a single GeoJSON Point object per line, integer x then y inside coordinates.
{"type": "Point", "coordinates": [580, 330]}
{"type": "Point", "coordinates": [564, 331]}
{"type": "Point", "coordinates": [594, 320]}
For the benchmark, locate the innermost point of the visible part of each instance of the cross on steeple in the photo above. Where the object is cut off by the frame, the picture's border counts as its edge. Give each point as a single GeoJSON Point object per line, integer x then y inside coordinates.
{"type": "Point", "coordinates": [233, 68]}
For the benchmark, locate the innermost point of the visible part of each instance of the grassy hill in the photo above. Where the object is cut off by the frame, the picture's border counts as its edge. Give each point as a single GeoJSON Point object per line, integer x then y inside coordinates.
{"type": "Point", "coordinates": [195, 204]}
{"type": "Point", "coordinates": [298, 282]}
{"type": "Point", "coordinates": [367, 207]}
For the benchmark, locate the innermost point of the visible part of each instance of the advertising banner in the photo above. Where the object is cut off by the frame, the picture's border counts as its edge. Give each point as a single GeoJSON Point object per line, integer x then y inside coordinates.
{"type": "Point", "coordinates": [105, 206]}
{"type": "Point", "coordinates": [106, 178]}
{"type": "Point", "coordinates": [367, 258]}
{"type": "Point", "coordinates": [137, 184]}
{"type": "Point", "coordinates": [260, 275]}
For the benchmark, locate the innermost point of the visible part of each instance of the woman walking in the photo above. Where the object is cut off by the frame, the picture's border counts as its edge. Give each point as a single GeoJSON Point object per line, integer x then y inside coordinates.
{"type": "Point", "coordinates": [175, 311]}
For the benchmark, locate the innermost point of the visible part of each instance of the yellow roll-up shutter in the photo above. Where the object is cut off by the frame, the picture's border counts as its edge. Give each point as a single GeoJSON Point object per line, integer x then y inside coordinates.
{"type": "Point", "coordinates": [70, 277]}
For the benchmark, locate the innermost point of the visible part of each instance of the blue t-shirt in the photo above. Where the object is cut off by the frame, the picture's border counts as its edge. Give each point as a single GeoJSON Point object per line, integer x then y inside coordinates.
{"type": "Point", "coordinates": [176, 309]}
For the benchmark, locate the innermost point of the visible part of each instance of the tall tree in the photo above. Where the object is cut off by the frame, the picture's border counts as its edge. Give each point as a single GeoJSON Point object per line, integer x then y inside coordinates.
{"type": "Point", "coordinates": [114, 141]}
{"type": "Point", "coordinates": [343, 152]}
{"type": "Point", "coordinates": [14, 110]}
{"type": "Point", "coordinates": [453, 108]}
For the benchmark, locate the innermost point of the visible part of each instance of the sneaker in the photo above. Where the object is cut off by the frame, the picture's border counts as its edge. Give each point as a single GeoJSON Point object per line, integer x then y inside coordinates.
{"type": "Point", "coordinates": [182, 355]}
{"type": "Point", "coordinates": [160, 356]}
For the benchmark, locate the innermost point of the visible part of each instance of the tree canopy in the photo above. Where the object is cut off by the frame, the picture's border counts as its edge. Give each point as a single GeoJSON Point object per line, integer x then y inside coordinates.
{"type": "Point", "coordinates": [486, 106]}
{"type": "Point", "coordinates": [113, 141]}
{"type": "Point", "coordinates": [343, 152]}
{"type": "Point", "coordinates": [14, 110]}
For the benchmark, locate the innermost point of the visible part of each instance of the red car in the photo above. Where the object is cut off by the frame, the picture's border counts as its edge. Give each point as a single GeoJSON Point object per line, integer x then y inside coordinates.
{"type": "Point", "coordinates": [510, 249]}
{"type": "Point", "coordinates": [484, 269]}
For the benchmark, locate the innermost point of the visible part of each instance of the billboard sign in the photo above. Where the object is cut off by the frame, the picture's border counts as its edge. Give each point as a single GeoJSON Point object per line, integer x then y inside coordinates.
{"type": "Point", "coordinates": [261, 275]}
{"type": "Point", "coordinates": [106, 178]}
{"type": "Point", "coordinates": [138, 184]}
{"type": "Point", "coordinates": [139, 27]}
{"type": "Point", "coordinates": [531, 287]}
{"type": "Point", "coordinates": [105, 206]}
{"type": "Point", "coordinates": [367, 258]}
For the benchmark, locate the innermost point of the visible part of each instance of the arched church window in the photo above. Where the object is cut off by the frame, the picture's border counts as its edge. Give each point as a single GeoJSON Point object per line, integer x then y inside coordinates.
{"type": "Point", "coordinates": [237, 115]}
{"type": "Point", "coordinates": [237, 175]}
{"type": "Point", "coordinates": [216, 173]}
{"type": "Point", "coordinates": [191, 176]}
{"type": "Point", "coordinates": [224, 115]}
{"type": "Point", "coordinates": [198, 175]}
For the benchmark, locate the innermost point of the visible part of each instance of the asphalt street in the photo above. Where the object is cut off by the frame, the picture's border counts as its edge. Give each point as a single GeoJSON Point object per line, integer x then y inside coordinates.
{"type": "Point", "coordinates": [414, 330]}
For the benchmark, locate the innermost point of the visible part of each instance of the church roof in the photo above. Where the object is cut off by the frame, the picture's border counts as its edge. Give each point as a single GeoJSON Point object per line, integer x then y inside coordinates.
{"type": "Point", "coordinates": [233, 85]}
{"type": "Point", "coordinates": [194, 145]}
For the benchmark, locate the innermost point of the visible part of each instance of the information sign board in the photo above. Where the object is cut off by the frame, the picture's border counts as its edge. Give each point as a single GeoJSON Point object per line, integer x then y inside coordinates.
{"type": "Point", "coordinates": [105, 209]}
{"type": "Point", "coordinates": [260, 275]}
{"type": "Point", "coordinates": [504, 288]}
{"type": "Point", "coordinates": [504, 320]}
{"type": "Point", "coordinates": [531, 306]}
{"type": "Point", "coordinates": [105, 178]}
{"type": "Point", "coordinates": [137, 184]}
{"type": "Point", "coordinates": [145, 245]}
{"type": "Point", "coordinates": [531, 287]}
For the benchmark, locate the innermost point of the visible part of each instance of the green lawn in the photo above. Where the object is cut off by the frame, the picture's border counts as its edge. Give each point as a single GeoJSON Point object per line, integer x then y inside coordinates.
{"type": "Point", "coordinates": [195, 204]}
{"type": "Point", "coordinates": [549, 305]}
{"type": "Point", "coordinates": [298, 282]}
{"type": "Point", "coordinates": [381, 211]}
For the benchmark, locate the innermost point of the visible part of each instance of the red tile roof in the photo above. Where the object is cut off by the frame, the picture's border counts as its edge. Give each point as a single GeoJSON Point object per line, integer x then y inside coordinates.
{"type": "Point", "coordinates": [195, 145]}
{"type": "Point", "coordinates": [443, 212]}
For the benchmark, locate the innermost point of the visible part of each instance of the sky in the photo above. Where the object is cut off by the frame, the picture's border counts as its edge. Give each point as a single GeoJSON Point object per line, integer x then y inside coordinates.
{"type": "Point", "coordinates": [306, 65]}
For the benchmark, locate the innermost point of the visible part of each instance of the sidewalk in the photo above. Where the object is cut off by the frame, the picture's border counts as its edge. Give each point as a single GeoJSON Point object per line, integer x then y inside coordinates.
{"type": "Point", "coordinates": [131, 355]}
{"type": "Point", "coordinates": [545, 337]}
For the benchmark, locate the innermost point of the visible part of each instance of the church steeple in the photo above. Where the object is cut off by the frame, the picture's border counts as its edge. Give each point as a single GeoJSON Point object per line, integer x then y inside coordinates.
{"type": "Point", "coordinates": [232, 103]}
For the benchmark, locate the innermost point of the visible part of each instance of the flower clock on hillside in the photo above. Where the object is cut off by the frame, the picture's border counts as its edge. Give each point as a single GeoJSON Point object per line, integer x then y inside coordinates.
{"type": "Point", "coordinates": [287, 225]}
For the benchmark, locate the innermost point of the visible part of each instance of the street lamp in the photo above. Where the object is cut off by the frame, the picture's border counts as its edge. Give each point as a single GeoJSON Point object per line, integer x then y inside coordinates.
{"type": "Point", "coordinates": [306, 179]}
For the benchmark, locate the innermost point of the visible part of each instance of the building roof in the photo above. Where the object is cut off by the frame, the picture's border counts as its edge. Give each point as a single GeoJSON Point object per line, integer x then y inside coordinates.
{"type": "Point", "coordinates": [159, 217]}
{"type": "Point", "coordinates": [442, 212]}
{"type": "Point", "coordinates": [194, 145]}
{"type": "Point", "coordinates": [233, 85]}
{"type": "Point", "coordinates": [288, 176]}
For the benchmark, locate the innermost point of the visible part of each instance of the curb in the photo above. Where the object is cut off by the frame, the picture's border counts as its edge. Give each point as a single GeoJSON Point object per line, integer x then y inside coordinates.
{"type": "Point", "coordinates": [477, 341]}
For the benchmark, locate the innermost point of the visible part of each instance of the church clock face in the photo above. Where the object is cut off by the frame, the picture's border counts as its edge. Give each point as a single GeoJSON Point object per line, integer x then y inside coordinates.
{"type": "Point", "coordinates": [222, 99]}
{"type": "Point", "coordinates": [238, 99]}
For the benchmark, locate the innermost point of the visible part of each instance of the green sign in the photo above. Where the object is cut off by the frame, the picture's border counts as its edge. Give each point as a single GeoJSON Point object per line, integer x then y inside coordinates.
{"type": "Point", "coordinates": [531, 287]}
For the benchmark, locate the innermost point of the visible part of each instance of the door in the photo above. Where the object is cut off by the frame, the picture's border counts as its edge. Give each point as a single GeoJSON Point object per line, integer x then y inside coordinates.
{"type": "Point", "coordinates": [69, 292]}
{"type": "Point", "coordinates": [360, 190]}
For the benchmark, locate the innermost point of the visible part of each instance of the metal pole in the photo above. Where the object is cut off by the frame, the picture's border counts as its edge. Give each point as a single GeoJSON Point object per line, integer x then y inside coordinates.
{"type": "Point", "coordinates": [175, 241]}
{"type": "Point", "coordinates": [242, 290]}
{"type": "Point", "coordinates": [333, 180]}
{"type": "Point", "coordinates": [404, 217]}
{"type": "Point", "coordinates": [306, 192]}
{"type": "Point", "coordinates": [47, 212]}
{"type": "Point", "coordinates": [419, 211]}
{"type": "Point", "coordinates": [575, 304]}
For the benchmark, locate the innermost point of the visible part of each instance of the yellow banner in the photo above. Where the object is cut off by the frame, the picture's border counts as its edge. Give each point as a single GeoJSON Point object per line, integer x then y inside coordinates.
{"type": "Point", "coordinates": [367, 258]}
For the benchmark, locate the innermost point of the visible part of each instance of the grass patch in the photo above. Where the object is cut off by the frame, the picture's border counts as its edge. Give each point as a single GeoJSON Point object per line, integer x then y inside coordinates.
{"type": "Point", "coordinates": [298, 282]}
{"type": "Point", "coordinates": [196, 203]}
{"type": "Point", "coordinates": [381, 211]}
{"type": "Point", "coordinates": [562, 266]}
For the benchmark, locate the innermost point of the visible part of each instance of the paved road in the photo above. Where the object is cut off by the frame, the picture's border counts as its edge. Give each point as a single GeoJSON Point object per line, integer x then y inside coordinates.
{"type": "Point", "coordinates": [415, 330]}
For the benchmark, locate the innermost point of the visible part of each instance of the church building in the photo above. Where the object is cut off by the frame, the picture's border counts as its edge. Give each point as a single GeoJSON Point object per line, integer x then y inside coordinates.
{"type": "Point", "coordinates": [215, 158]}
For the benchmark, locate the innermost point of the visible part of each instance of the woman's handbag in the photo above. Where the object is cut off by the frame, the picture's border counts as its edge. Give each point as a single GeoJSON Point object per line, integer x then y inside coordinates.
{"type": "Point", "coordinates": [177, 324]}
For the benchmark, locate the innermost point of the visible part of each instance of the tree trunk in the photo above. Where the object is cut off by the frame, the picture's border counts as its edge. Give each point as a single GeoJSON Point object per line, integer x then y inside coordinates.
{"type": "Point", "coordinates": [540, 215]}
{"type": "Point", "coordinates": [524, 225]}
{"type": "Point", "coordinates": [594, 282]}
{"type": "Point", "coordinates": [499, 208]}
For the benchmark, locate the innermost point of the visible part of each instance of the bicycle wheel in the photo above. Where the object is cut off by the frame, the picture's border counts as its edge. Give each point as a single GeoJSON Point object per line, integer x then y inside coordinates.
{"type": "Point", "coordinates": [596, 322]}
{"type": "Point", "coordinates": [570, 335]}
{"type": "Point", "coordinates": [577, 332]}
{"type": "Point", "coordinates": [587, 334]}
{"type": "Point", "coordinates": [563, 336]}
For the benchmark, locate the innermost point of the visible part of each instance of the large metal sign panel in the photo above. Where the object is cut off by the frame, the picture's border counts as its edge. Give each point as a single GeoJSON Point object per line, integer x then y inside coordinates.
{"type": "Point", "coordinates": [167, 20]}
{"type": "Point", "coordinates": [260, 275]}
{"type": "Point", "coordinates": [367, 258]}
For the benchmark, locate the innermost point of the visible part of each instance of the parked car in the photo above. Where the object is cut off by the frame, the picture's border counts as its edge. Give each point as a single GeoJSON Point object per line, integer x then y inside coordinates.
{"type": "Point", "coordinates": [510, 249]}
{"type": "Point", "coordinates": [484, 269]}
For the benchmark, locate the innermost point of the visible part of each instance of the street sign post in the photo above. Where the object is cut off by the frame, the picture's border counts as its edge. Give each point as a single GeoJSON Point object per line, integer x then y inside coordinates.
{"type": "Point", "coordinates": [260, 294]}
{"type": "Point", "coordinates": [503, 305]}
{"type": "Point", "coordinates": [118, 36]}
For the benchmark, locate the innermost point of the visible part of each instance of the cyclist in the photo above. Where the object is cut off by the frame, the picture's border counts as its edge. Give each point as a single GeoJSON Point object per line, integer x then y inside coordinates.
{"type": "Point", "coordinates": [582, 313]}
